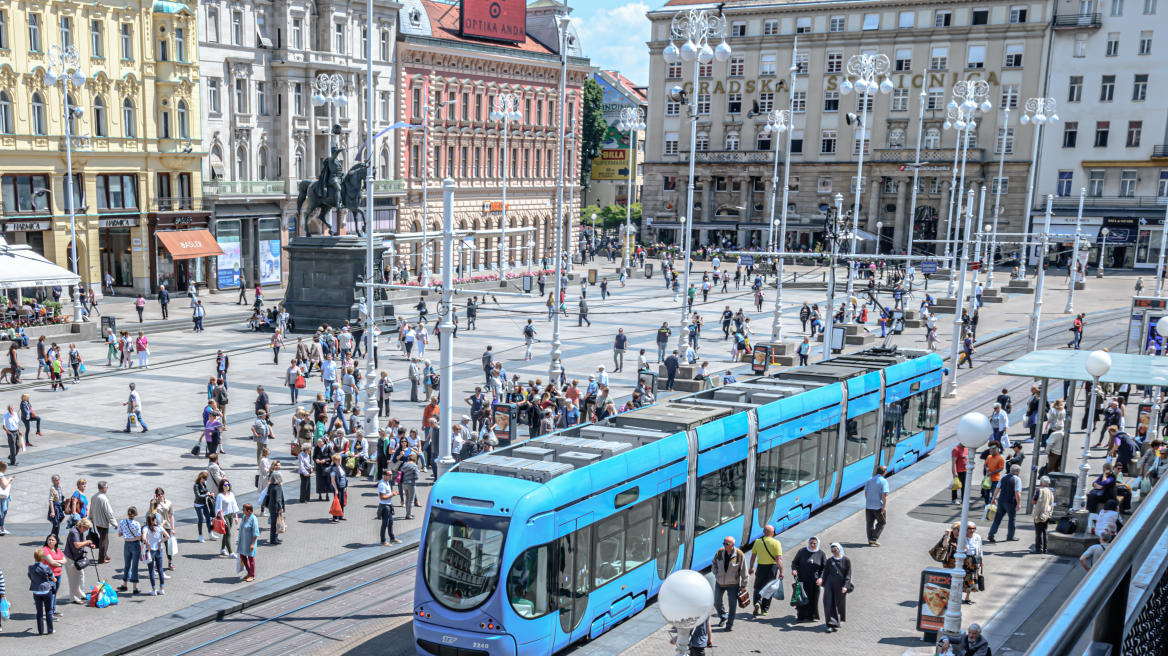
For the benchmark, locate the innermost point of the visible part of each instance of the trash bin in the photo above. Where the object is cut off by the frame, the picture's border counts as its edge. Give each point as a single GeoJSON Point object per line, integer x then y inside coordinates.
{"type": "Point", "coordinates": [648, 269]}
{"type": "Point", "coordinates": [110, 322]}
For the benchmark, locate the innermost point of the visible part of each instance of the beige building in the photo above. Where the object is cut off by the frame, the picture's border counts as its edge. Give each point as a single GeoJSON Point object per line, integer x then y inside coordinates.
{"type": "Point", "coordinates": [930, 46]}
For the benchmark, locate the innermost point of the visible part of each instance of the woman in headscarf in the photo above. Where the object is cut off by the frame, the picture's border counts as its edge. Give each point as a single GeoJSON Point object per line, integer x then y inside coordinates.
{"type": "Point", "coordinates": [973, 556]}
{"type": "Point", "coordinates": [805, 569]}
{"type": "Point", "coordinates": [835, 577]}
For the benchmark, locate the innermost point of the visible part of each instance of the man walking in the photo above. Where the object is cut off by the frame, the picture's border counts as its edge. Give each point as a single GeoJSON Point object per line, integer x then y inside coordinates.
{"type": "Point", "coordinates": [767, 552]}
{"type": "Point", "coordinates": [1077, 332]}
{"type": "Point", "coordinates": [618, 350]}
{"type": "Point", "coordinates": [876, 506]}
{"type": "Point", "coordinates": [12, 429]}
{"type": "Point", "coordinates": [727, 317]}
{"type": "Point", "coordinates": [528, 340]}
{"type": "Point", "coordinates": [101, 513]}
{"type": "Point", "coordinates": [164, 301]}
{"type": "Point", "coordinates": [328, 376]}
{"type": "Point", "coordinates": [1008, 496]}
{"type": "Point", "coordinates": [583, 318]}
{"type": "Point", "coordinates": [415, 373]}
{"type": "Point", "coordinates": [472, 312]}
{"type": "Point", "coordinates": [260, 432]}
{"type": "Point", "coordinates": [489, 360]}
{"type": "Point", "coordinates": [134, 409]}
{"type": "Point", "coordinates": [729, 570]}
{"type": "Point", "coordinates": [671, 364]}
{"type": "Point", "coordinates": [663, 334]}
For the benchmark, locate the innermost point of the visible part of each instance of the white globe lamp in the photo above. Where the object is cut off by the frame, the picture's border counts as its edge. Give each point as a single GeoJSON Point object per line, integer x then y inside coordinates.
{"type": "Point", "coordinates": [973, 430]}
{"type": "Point", "coordinates": [1098, 363]}
{"type": "Point", "coordinates": [685, 600]}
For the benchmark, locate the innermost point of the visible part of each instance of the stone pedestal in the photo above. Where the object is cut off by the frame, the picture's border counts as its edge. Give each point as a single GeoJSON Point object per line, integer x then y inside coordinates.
{"type": "Point", "coordinates": [1019, 287]}
{"type": "Point", "coordinates": [323, 272]}
{"type": "Point", "coordinates": [1080, 286]}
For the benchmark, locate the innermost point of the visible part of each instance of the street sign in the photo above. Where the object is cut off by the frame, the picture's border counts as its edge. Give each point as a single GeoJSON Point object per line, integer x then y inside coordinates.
{"type": "Point", "coordinates": [928, 267]}
{"type": "Point", "coordinates": [746, 260]}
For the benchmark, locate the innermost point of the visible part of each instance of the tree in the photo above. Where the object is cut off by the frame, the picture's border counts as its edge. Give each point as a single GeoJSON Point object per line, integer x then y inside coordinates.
{"type": "Point", "coordinates": [592, 129]}
{"type": "Point", "coordinates": [610, 217]}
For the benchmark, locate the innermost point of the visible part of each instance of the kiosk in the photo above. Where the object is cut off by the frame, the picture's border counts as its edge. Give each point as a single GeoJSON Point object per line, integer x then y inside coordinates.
{"type": "Point", "coordinates": [1143, 325]}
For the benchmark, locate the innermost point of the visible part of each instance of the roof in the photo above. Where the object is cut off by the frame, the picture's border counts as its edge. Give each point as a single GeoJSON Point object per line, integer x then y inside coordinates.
{"type": "Point", "coordinates": [1072, 365]}
{"type": "Point", "coordinates": [630, 87]}
{"type": "Point", "coordinates": [445, 24]}
{"type": "Point", "coordinates": [546, 3]}
{"type": "Point", "coordinates": [163, 7]}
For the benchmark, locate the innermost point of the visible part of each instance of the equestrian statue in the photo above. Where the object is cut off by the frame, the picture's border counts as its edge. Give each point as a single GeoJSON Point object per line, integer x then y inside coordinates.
{"type": "Point", "coordinates": [332, 191]}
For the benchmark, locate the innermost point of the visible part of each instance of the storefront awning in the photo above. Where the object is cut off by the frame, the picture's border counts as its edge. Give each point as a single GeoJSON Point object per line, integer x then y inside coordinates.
{"type": "Point", "coordinates": [185, 244]}
{"type": "Point", "coordinates": [20, 266]}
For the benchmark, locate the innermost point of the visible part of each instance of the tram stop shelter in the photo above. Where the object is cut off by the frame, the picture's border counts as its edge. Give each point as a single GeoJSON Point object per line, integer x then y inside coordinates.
{"type": "Point", "coordinates": [1070, 366]}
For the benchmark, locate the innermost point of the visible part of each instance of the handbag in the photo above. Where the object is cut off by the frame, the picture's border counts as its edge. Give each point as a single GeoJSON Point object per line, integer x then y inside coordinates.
{"type": "Point", "coordinates": [743, 598]}
{"type": "Point", "coordinates": [145, 557]}
{"type": "Point", "coordinates": [939, 550]}
{"type": "Point", "coordinates": [219, 527]}
{"type": "Point", "coordinates": [300, 382]}
{"type": "Point", "coordinates": [335, 510]}
{"type": "Point", "coordinates": [195, 449]}
{"type": "Point", "coordinates": [798, 596]}
{"type": "Point", "coordinates": [5, 608]}
{"type": "Point", "coordinates": [296, 448]}
{"type": "Point", "coordinates": [1067, 525]}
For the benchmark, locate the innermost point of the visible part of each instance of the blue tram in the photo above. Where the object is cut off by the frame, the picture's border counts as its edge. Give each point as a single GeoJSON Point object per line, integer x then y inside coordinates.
{"type": "Point", "coordinates": [530, 548]}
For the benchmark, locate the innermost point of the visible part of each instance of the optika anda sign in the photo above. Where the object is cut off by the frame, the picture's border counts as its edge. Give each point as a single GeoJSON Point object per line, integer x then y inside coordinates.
{"type": "Point", "coordinates": [501, 20]}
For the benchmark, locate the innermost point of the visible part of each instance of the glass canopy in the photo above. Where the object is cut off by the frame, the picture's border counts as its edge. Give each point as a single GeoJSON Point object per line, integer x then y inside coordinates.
{"type": "Point", "coordinates": [1072, 365]}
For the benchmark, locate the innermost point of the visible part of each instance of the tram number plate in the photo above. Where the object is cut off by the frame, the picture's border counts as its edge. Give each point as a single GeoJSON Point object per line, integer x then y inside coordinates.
{"type": "Point", "coordinates": [481, 645]}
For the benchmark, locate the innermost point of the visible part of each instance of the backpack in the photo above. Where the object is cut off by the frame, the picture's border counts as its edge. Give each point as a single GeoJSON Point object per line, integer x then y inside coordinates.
{"type": "Point", "coordinates": [528, 331]}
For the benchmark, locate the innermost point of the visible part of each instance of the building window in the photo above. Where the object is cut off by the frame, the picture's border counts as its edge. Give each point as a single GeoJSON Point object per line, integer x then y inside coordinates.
{"type": "Point", "coordinates": [798, 102]}
{"type": "Point", "coordinates": [943, 18]}
{"type": "Point", "coordinates": [1146, 43]}
{"type": "Point", "coordinates": [802, 63]}
{"type": "Point", "coordinates": [384, 45]}
{"type": "Point", "coordinates": [1107, 89]}
{"type": "Point", "coordinates": [66, 31]}
{"type": "Point", "coordinates": [705, 70]}
{"type": "Point", "coordinates": [34, 32]}
{"type": "Point", "coordinates": [1134, 128]}
{"type": "Point", "coordinates": [184, 131]}
{"type": "Point", "coordinates": [95, 43]}
{"type": "Point", "coordinates": [981, 17]}
{"type": "Point", "coordinates": [240, 95]}
{"type": "Point", "coordinates": [737, 66]}
{"type": "Point", "coordinates": [936, 99]}
{"type": "Point", "coordinates": [261, 99]}
{"type": "Point", "coordinates": [1065, 180]}
{"type": "Point", "coordinates": [1070, 134]}
{"type": "Point", "coordinates": [383, 100]}
{"type": "Point", "coordinates": [1149, 7]}
{"type": "Point", "coordinates": [668, 183]}
{"type": "Point", "coordinates": [463, 163]}
{"type": "Point", "coordinates": [703, 103]}
{"type": "Point", "coordinates": [738, 29]}
{"type": "Point", "coordinates": [1162, 185]}
{"type": "Point", "coordinates": [733, 103]}
{"type": "Point", "coordinates": [128, 119]}
{"type": "Point", "coordinates": [766, 102]}
{"type": "Point", "coordinates": [899, 100]}
{"type": "Point", "coordinates": [1140, 87]}
{"type": "Point", "coordinates": [180, 45]}
{"type": "Point", "coordinates": [1076, 89]}
{"type": "Point", "coordinates": [732, 142]}
{"type": "Point", "coordinates": [871, 22]}
{"type": "Point", "coordinates": [237, 28]}
{"type": "Point", "coordinates": [1014, 55]}
{"type": "Point", "coordinates": [1116, 7]}
{"type": "Point", "coordinates": [38, 115]}
{"type": "Point", "coordinates": [117, 192]}
{"type": "Point", "coordinates": [339, 40]}
{"type": "Point", "coordinates": [766, 65]}
{"type": "Point", "coordinates": [262, 164]}
{"type": "Point", "coordinates": [127, 42]}
{"type": "Point", "coordinates": [1127, 184]}
{"type": "Point", "coordinates": [1008, 136]}
{"type": "Point", "coordinates": [835, 62]}
{"type": "Point", "coordinates": [298, 99]}
{"type": "Point", "coordinates": [162, 51]}
{"type": "Point", "coordinates": [891, 185]}
{"type": "Point", "coordinates": [703, 142]}
{"type": "Point", "coordinates": [939, 59]}
{"type": "Point", "coordinates": [976, 57]}
{"type": "Point", "coordinates": [932, 138]}
{"type": "Point", "coordinates": [1102, 129]}
{"type": "Point", "coordinates": [4, 31]}
{"type": "Point", "coordinates": [827, 140]}
{"type": "Point", "coordinates": [831, 101]}
{"type": "Point", "coordinates": [796, 143]}
{"type": "Point", "coordinates": [803, 25]}
{"type": "Point", "coordinates": [5, 113]}
{"type": "Point", "coordinates": [864, 102]}
{"type": "Point", "coordinates": [1095, 184]}
{"type": "Point", "coordinates": [213, 25]}
{"type": "Point", "coordinates": [1000, 185]}
{"type": "Point", "coordinates": [904, 59]}
{"type": "Point", "coordinates": [935, 185]}
{"type": "Point", "coordinates": [907, 20]}
{"type": "Point", "coordinates": [770, 27]}
{"type": "Point", "coordinates": [672, 108]}
{"type": "Point", "coordinates": [1080, 45]}
{"type": "Point", "coordinates": [896, 139]}
{"type": "Point", "coordinates": [1009, 96]}
{"type": "Point", "coordinates": [673, 72]}
{"type": "Point", "coordinates": [863, 139]}
{"type": "Point", "coordinates": [837, 24]}
{"type": "Point", "coordinates": [19, 193]}
{"type": "Point", "coordinates": [670, 146]}
{"type": "Point", "coordinates": [762, 141]}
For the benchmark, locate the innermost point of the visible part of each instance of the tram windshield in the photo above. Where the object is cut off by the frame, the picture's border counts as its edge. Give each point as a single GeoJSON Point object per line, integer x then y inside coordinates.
{"type": "Point", "coordinates": [462, 554]}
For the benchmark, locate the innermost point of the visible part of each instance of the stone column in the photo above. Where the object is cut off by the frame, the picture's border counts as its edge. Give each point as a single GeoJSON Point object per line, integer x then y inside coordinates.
{"type": "Point", "coordinates": [942, 218]}
{"type": "Point", "coordinates": [873, 204]}
{"type": "Point", "coordinates": [707, 198]}
{"type": "Point", "coordinates": [769, 200]}
{"type": "Point", "coordinates": [900, 236]}
{"type": "Point", "coordinates": [744, 200]}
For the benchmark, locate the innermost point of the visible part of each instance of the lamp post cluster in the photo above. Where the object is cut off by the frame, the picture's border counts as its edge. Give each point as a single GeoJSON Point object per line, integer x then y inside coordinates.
{"type": "Point", "coordinates": [779, 121]}
{"type": "Point", "coordinates": [1039, 110]}
{"type": "Point", "coordinates": [64, 67]}
{"type": "Point", "coordinates": [506, 110]}
{"type": "Point", "coordinates": [697, 27]}
{"type": "Point", "coordinates": [632, 120]}
{"type": "Point", "coordinates": [973, 94]}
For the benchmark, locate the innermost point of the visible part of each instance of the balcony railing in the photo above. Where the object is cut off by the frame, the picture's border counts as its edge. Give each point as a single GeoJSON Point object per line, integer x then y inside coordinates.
{"type": "Point", "coordinates": [730, 156]}
{"type": "Point", "coordinates": [1078, 21]}
{"type": "Point", "coordinates": [909, 155]}
{"type": "Point", "coordinates": [1160, 151]}
{"type": "Point", "coordinates": [1112, 202]}
{"type": "Point", "coordinates": [174, 204]}
{"type": "Point", "coordinates": [382, 186]}
{"type": "Point", "coordinates": [244, 187]}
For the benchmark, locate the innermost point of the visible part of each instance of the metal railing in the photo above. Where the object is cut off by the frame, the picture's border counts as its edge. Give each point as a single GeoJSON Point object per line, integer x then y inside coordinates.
{"type": "Point", "coordinates": [176, 204]}
{"type": "Point", "coordinates": [244, 187]}
{"type": "Point", "coordinates": [1099, 608]}
{"type": "Point", "coordinates": [1122, 202]}
{"type": "Point", "coordinates": [927, 154]}
{"type": "Point", "coordinates": [1160, 151]}
{"type": "Point", "coordinates": [1073, 21]}
{"type": "Point", "coordinates": [730, 156]}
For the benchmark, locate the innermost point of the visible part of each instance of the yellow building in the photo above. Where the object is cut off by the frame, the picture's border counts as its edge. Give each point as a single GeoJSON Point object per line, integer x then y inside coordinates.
{"type": "Point", "coordinates": [136, 146]}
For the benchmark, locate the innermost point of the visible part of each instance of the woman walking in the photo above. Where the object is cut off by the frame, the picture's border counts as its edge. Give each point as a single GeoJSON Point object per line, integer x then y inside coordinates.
{"type": "Point", "coordinates": [5, 493]}
{"type": "Point", "coordinates": [274, 501]}
{"type": "Point", "coordinates": [55, 559]}
{"type": "Point", "coordinates": [111, 342]}
{"type": "Point", "coordinates": [14, 377]}
{"type": "Point", "coordinates": [805, 570]}
{"type": "Point", "coordinates": [277, 343]}
{"type": "Point", "coordinates": [249, 537]}
{"type": "Point", "coordinates": [803, 351]}
{"type": "Point", "coordinates": [338, 483]}
{"type": "Point", "coordinates": [162, 507]}
{"type": "Point", "coordinates": [131, 531]}
{"type": "Point", "coordinates": [75, 362]}
{"type": "Point", "coordinates": [228, 510]}
{"type": "Point", "coordinates": [56, 506]}
{"type": "Point", "coordinates": [41, 577]}
{"type": "Point", "coordinates": [204, 504]}
{"type": "Point", "coordinates": [322, 456]}
{"type": "Point", "coordinates": [836, 579]}
{"type": "Point", "coordinates": [1043, 509]}
{"type": "Point", "coordinates": [304, 468]}
{"type": "Point", "coordinates": [155, 536]}
{"type": "Point", "coordinates": [409, 481]}
{"type": "Point", "coordinates": [291, 377]}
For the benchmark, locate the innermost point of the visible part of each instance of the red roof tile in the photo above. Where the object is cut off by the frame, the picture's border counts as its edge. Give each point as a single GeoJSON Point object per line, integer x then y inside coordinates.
{"type": "Point", "coordinates": [445, 24]}
{"type": "Point", "coordinates": [641, 91]}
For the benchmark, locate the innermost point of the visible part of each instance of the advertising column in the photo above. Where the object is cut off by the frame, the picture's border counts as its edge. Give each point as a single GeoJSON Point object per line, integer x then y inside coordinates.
{"type": "Point", "coordinates": [230, 263]}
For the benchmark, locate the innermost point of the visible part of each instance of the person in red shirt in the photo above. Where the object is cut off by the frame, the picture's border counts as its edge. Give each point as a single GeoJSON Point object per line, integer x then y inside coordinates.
{"type": "Point", "coordinates": [960, 456]}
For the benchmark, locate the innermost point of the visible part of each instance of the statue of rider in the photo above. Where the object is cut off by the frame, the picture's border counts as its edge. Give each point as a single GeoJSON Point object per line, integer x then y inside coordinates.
{"type": "Point", "coordinates": [329, 182]}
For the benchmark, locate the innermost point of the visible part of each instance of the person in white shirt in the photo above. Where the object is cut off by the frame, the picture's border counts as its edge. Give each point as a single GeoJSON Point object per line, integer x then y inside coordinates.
{"type": "Point", "coordinates": [260, 431]}
{"type": "Point", "coordinates": [642, 362]}
{"type": "Point", "coordinates": [228, 510]}
{"type": "Point", "coordinates": [601, 376]}
{"type": "Point", "coordinates": [385, 494]}
{"type": "Point", "coordinates": [133, 409]}
{"type": "Point", "coordinates": [12, 429]}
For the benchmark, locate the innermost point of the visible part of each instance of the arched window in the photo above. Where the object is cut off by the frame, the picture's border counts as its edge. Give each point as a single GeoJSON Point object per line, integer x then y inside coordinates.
{"type": "Point", "coordinates": [703, 142]}
{"type": "Point", "coordinates": [38, 114]}
{"type": "Point", "coordinates": [99, 117]}
{"type": "Point", "coordinates": [72, 117]}
{"type": "Point", "coordinates": [183, 129]}
{"type": "Point", "coordinates": [263, 163]}
{"type": "Point", "coordinates": [932, 138]}
{"type": "Point", "coordinates": [896, 139]}
{"type": "Point", "coordinates": [5, 113]}
{"type": "Point", "coordinates": [216, 163]}
{"type": "Point", "coordinates": [299, 164]}
{"type": "Point", "coordinates": [128, 118]}
{"type": "Point", "coordinates": [240, 163]}
{"type": "Point", "coordinates": [731, 141]}
{"type": "Point", "coordinates": [384, 164]}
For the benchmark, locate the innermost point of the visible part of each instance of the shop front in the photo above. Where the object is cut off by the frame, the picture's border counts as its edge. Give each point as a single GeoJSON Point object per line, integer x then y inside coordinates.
{"type": "Point", "coordinates": [28, 232]}
{"type": "Point", "coordinates": [117, 244]}
{"type": "Point", "coordinates": [181, 248]}
{"type": "Point", "coordinates": [252, 246]}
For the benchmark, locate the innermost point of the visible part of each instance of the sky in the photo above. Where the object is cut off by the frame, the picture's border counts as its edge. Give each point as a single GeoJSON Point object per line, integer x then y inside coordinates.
{"type": "Point", "coordinates": [613, 34]}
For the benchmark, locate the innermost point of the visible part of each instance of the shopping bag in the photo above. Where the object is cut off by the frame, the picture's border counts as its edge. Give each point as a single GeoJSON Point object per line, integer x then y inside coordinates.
{"type": "Point", "coordinates": [300, 382]}
{"type": "Point", "coordinates": [5, 608]}
{"type": "Point", "coordinates": [281, 525]}
{"type": "Point", "coordinates": [986, 483]}
{"type": "Point", "coordinates": [238, 564]}
{"type": "Point", "coordinates": [335, 510]}
{"type": "Point", "coordinates": [1145, 485]}
{"type": "Point", "coordinates": [798, 596]}
{"type": "Point", "coordinates": [956, 484]}
{"type": "Point", "coordinates": [104, 596]}
{"type": "Point", "coordinates": [769, 589]}
{"type": "Point", "coordinates": [172, 546]}
{"type": "Point", "coordinates": [990, 512]}
{"type": "Point", "coordinates": [82, 367]}
{"type": "Point", "coordinates": [196, 448]}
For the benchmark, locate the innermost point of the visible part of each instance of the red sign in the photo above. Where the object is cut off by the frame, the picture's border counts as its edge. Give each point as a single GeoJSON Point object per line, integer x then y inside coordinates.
{"type": "Point", "coordinates": [933, 599]}
{"type": "Point", "coordinates": [501, 20]}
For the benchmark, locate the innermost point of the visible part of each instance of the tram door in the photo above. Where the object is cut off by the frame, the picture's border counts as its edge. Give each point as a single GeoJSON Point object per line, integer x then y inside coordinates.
{"type": "Point", "coordinates": [574, 571]}
{"type": "Point", "coordinates": [893, 427]}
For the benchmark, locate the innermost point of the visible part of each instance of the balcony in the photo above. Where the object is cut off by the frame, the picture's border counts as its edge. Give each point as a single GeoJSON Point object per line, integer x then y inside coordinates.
{"type": "Point", "coordinates": [730, 156]}
{"type": "Point", "coordinates": [1160, 151]}
{"type": "Point", "coordinates": [1112, 202]}
{"type": "Point", "coordinates": [909, 155]}
{"type": "Point", "coordinates": [1078, 21]}
{"type": "Point", "coordinates": [75, 143]}
{"type": "Point", "coordinates": [388, 186]}
{"type": "Point", "coordinates": [245, 188]}
{"type": "Point", "coordinates": [175, 204]}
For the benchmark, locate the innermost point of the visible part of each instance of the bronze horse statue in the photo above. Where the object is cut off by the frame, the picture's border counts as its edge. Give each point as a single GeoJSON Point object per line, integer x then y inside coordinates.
{"type": "Point", "coordinates": [352, 199]}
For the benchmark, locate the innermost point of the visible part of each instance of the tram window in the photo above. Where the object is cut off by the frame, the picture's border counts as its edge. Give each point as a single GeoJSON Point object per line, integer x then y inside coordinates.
{"type": "Point", "coordinates": [789, 471]}
{"type": "Point", "coordinates": [463, 550]}
{"type": "Point", "coordinates": [828, 440]}
{"type": "Point", "coordinates": [894, 429]}
{"type": "Point", "coordinates": [572, 577]}
{"type": "Point", "coordinates": [610, 550]}
{"type": "Point", "coordinates": [808, 459]}
{"type": "Point", "coordinates": [722, 496]}
{"type": "Point", "coordinates": [861, 438]}
{"type": "Point", "coordinates": [670, 529]}
{"type": "Point", "coordinates": [766, 483]}
{"type": "Point", "coordinates": [529, 587]}
{"type": "Point", "coordinates": [639, 536]}
{"type": "Point", "coordinates": [931, 408]}
{"type": "Point", "coordinates": [626, 497]}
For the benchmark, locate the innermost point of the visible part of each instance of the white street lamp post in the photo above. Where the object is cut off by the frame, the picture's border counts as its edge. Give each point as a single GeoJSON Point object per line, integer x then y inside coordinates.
{"type": "Point", "coordinates": [330, 90]}
{"type": "Point", "coordinates": [953, 210]}
{"type": "Point", "coordinates": [1098, 364]}
{"type": "Point", "coordinates": [779, 121]}
{"type": "Point", "coordinates": [1074, 266]}
{"type": "Point", "coordinates": [1163, 245]}
{"type": "Point", "coordinates": [506, 110]}
{"type": "Point", "coordinates": [867, 69]}
{"type": "Point", "coordinates": [554, 365]}
{"type": "Point", "coordinates": [912, 210]}
{"type": "Point", "coordinates": [632, 120]}
{"type": "Point", "coordinates": [973, 430]}
{"type": "Point", "coordinates": [63, 66]}
{"type": "Point", "coordinates": [973, 94]}
{"type": "Point", "coordinates": [1102, 252]}
{"type": "Point", "coordinates": [696, 27]}
{"type": "Point", "coordinates": [1043, 110]}
{"type": "Point", "coordinates": [839, 208]}
{"type": "Point", "coordinates": [955, 345]}
{"type": "Point", "coordinates": [1036, 313]}
{"type": "Point", "coordinates": [998, 194]}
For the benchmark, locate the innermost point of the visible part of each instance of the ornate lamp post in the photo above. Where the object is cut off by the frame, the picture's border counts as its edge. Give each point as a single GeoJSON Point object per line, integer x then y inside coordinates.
{"type": "Point", "coordinates": [63, 66]}
{"type": "Point", "coordinates": [1102, 252]}
{"type": "Point", "coordinates": [1036, 313]}
{"type": "Point", "coordinates": [973, 94]}
{"type": "Point", "coordinates": [506, 110]}
{"type": "Point", "coordinates": [912, 210]}
{"type": "Point", "coordinates": [696, 27]}
{"type": "Point", "coordinates": [1039, 110]}
{"type": "Point", "coordinates": [1075, 256]}
{"type": "Point", "coordinates": [973, 430]}
{"type": "Point", "coordinates": [834, 227]}
{"type": "Point", "coordinates": [779, 121]}
{"type": "Point", "coordinates": [993, 249]}
{"type": "Point", "coordinates": [954, 346]}
{"type": "Point", "coordinates": [1098, 364]}
{"type": "Point", "coordinates": [632, 120]}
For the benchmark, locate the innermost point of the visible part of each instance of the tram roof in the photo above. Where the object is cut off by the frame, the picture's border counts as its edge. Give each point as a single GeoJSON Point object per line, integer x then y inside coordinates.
{"type": "Point", "coordinates": [1072, 365]}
